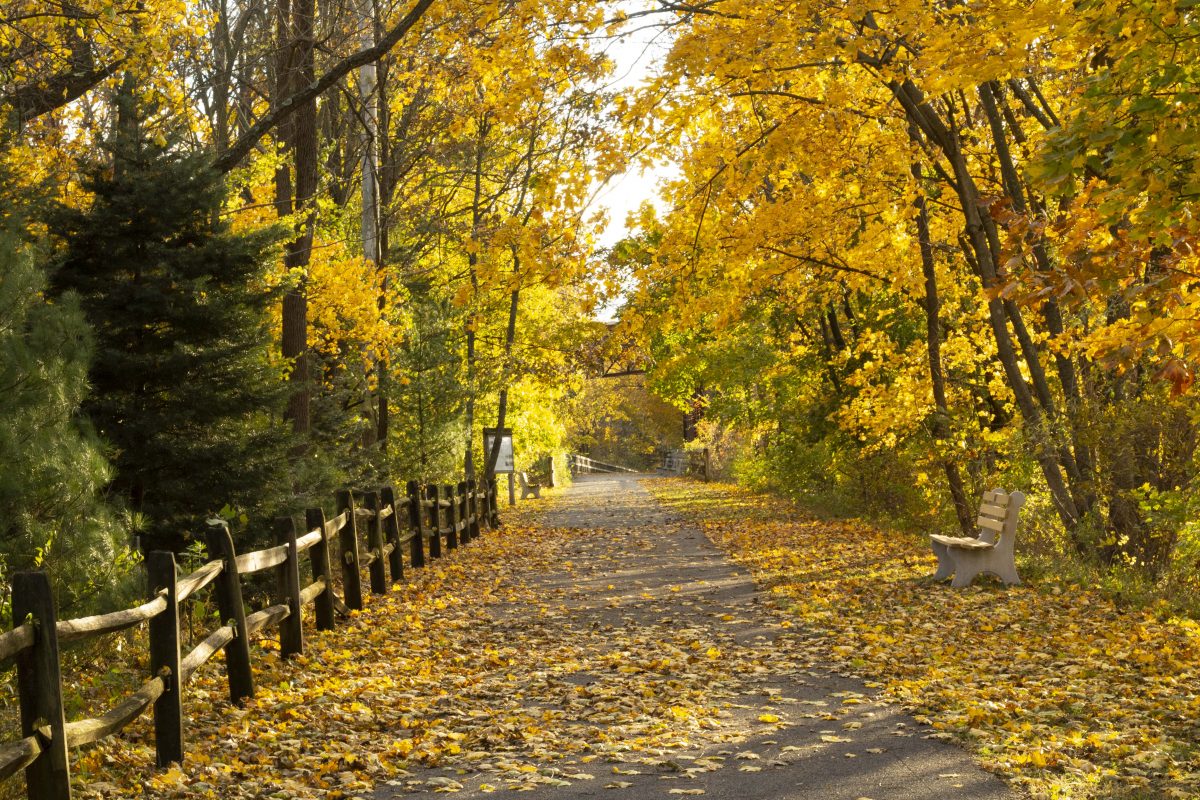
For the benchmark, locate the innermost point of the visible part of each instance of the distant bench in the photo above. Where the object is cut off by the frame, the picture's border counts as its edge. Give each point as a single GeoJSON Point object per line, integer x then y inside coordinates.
{"type": "Point", "coordinates": [528, 488]}
{"type": "Point", "coordinates": [993, 551]}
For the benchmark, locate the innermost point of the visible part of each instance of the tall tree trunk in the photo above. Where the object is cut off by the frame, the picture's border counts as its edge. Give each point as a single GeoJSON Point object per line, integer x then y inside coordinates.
{"type": "Point", "coordinates": [472, 317]}
{"type": "Point", "coordinates": [510, 335]}
{"type": "Point", "coordinates": [222, 72]}
{"type": "Point", "coordinates": [510, 331]}
{"type": "Point", "coordinates": [370, 182]}
{"type": "Point", "coordinates": [383, 194]}
{"type": "Point", "coordinates": [1083, 477]}
{"type": "Point", "coordinates": [295, 193]}
{"type": "Point", "coordinates": [367, 87]}
{"type": "Point", "coordinates": [940, 423]}
{"type": "Point", "coordinates": [128, 123]}
{"type": "Point", "coordinates": [827, 346]}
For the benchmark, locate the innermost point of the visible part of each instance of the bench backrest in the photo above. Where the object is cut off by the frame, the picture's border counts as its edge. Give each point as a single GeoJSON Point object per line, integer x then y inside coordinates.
{"type": "Point", "coordinates": [998, 514]}
{"type": "Point", "coordinates": [524, 479]}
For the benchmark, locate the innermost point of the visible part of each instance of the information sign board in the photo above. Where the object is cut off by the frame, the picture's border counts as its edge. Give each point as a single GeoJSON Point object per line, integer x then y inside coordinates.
{"type": "Point", "coordinates": [505, 462]}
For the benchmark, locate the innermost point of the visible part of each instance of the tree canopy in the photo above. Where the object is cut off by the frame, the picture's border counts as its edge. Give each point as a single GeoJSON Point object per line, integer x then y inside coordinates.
{"type": "Point", "coordinates": [910, 251]}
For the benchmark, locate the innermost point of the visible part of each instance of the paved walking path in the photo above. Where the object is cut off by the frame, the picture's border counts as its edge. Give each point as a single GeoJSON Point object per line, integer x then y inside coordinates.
{"type": "Point", "coordinates": [635, 580]}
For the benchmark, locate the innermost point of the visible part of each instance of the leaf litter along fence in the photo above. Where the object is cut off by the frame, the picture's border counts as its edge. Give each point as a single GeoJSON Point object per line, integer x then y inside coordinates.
{"type": "Point", "coordinates": [432, 513]}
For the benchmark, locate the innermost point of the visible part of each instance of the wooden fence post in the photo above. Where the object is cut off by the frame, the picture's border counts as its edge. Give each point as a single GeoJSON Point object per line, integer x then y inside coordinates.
{"type": "Point", "coordinates": [416, 520]}
{"type": "Point", "coordinates": [378, 568]}
{"type": "Point", "coordinates": [314, 519]}
{"type": "Point", "coordinates": [472, 510]}
{"type": "Point", "coordinates": [291, 631]}
{"type": "Point", "coordinates": [348, 537]}
{"type": "Point", "coordinates": [494, 492]}
{"type": "Point", "coordinates": [473, 506]}
{"type": "Point", "coordinates": [485, 511]}
{"type": "Point", "coordinates": [39, 687]}
{"type": "Point", "coordinates": [228, 588]}
{"type": "Point", "coordinates": [550, 476]}
{"type": "Point", "coordinates": [434, 493]}
{"type": "Point", "coordinates": [391, 531]}
{"type": "Point", "coordinates": [451, 517]}
{"type": "Point", "coordinates": [464, 511]}
{"type": "Point", "coordinates": [164, 660]}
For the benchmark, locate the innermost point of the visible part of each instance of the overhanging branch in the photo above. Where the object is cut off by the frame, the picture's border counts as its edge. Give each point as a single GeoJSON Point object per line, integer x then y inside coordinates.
{"type": "Point", "coordinates": [246, 142]}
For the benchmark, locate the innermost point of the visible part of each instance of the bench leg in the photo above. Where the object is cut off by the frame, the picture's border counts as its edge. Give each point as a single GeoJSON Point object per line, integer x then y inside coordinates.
{"type": "Point", "coordinates": [965, 575]}
{"type": "Point", "coordinates": [1009, 576]}
{"type": "Point", "coordinates": [971, 564]}
{"type": "Point", "coordinates": [945, 561]}
{"type": "Point", "coordinates": [1004, 569]}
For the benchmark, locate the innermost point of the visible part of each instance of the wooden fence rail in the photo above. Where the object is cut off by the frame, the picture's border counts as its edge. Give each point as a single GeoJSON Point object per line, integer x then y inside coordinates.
{"type": "Point", "coordinates": [423, 517]}
{"type": "Point", "coordinates": [582, 465]}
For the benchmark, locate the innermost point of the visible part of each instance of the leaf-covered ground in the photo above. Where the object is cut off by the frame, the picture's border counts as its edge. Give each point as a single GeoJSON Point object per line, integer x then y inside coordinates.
{"type": "Point", "coordinates": [626, 658]}
{"type": "Point", "coordinates": [383, 691]}
{"type": "Point", "coordinates": [564, 661]}
{"type": "Point", "coordinates": [1051, 685]}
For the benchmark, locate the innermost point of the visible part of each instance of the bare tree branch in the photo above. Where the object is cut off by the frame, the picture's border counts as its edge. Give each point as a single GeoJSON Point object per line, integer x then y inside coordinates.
{"type": "Point", "coordinates": [34, 99]}
{"type": "Point", "coordinates": [246, 142]}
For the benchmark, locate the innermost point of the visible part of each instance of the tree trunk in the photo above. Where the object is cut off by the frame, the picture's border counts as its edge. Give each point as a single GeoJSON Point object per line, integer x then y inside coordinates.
{"type": "Point", "coordinates": [222, 72]}
{"type": "Point", "coordinates": [1079, 464]}
{"type": "Point", "coordinates": [367, 87]}
{"type": "Point", "coordinates": [983, 246]}
{"type": "Point", "coordinates": [383, 195]}
{"type": "Point", "coordinates": [472, 316]}
{"type": "Point", "coordinates": [510, 335]}
{"type": "Point", "coordinates": [296, 195]}
{"type": "Point", "coordinates": [940, 423]}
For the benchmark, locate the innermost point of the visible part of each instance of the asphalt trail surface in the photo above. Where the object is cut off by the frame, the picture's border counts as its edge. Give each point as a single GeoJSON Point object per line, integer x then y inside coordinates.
{"type": "Point", "coordinates": [637, 572]}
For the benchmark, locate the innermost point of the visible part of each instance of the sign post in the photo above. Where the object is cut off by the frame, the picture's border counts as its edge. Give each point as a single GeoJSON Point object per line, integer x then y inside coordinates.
{"type": "Point", "coordinates": [504, 461]}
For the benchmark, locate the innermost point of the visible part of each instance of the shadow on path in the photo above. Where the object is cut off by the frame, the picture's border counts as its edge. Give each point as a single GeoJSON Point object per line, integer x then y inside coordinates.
{"type": "Point", "coordinates": [636, 582]}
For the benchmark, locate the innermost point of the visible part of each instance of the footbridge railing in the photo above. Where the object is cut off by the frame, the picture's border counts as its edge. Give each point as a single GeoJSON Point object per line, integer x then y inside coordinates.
{"type": "Point", "coordinates": [582, 465]}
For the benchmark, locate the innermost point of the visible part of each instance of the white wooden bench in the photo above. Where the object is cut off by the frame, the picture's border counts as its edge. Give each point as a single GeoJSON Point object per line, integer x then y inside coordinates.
{"type": "Point", "coordinates": [528, 488]}
{"type": "Point", "coordinates": [993, 551]}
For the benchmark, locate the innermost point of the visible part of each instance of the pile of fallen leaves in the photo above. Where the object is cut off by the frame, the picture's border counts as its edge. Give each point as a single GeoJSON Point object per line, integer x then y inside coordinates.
{"type": "Point", "coordinates": [382, 691]}
{"type": "Point", "coordinates": [474, 674]}
{"type": "Point", "coordinates": [1051, 685]}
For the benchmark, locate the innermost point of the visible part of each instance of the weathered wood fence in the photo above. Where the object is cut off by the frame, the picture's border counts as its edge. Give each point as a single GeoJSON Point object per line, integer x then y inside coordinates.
{"type": "Point", "coordinates": [424, 519]}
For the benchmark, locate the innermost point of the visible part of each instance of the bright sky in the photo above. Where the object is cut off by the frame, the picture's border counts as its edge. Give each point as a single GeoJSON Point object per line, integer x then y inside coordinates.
{"type": "Point", "coordinates": [635, 54]}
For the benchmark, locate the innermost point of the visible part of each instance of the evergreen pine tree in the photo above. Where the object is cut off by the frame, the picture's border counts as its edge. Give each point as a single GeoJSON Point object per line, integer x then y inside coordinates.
{"type": "Point", "coordinates": [184, 389]}
{"type": "Point", "coordinates": [51, 512]}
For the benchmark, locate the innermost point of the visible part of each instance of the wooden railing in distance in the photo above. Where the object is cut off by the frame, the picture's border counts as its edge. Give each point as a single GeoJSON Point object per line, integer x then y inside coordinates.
{"type": "Point", "coordinates": [584, 465]}
{"type": "Point", "coordinates": [391, 522]}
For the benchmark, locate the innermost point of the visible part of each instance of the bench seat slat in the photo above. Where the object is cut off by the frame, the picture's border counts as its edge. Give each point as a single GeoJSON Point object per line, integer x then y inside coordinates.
{"type": "Point", "coordinates": [963, 542]}
{"type": "Point", "coordinates": [996, 499]}
{"type": "Point", "coordinates": [991, 524]}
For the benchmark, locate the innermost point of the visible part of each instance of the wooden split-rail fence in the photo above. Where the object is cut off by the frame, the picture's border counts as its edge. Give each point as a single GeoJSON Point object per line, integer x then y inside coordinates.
{"type": "Point", "coordinates": [425, 519]}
